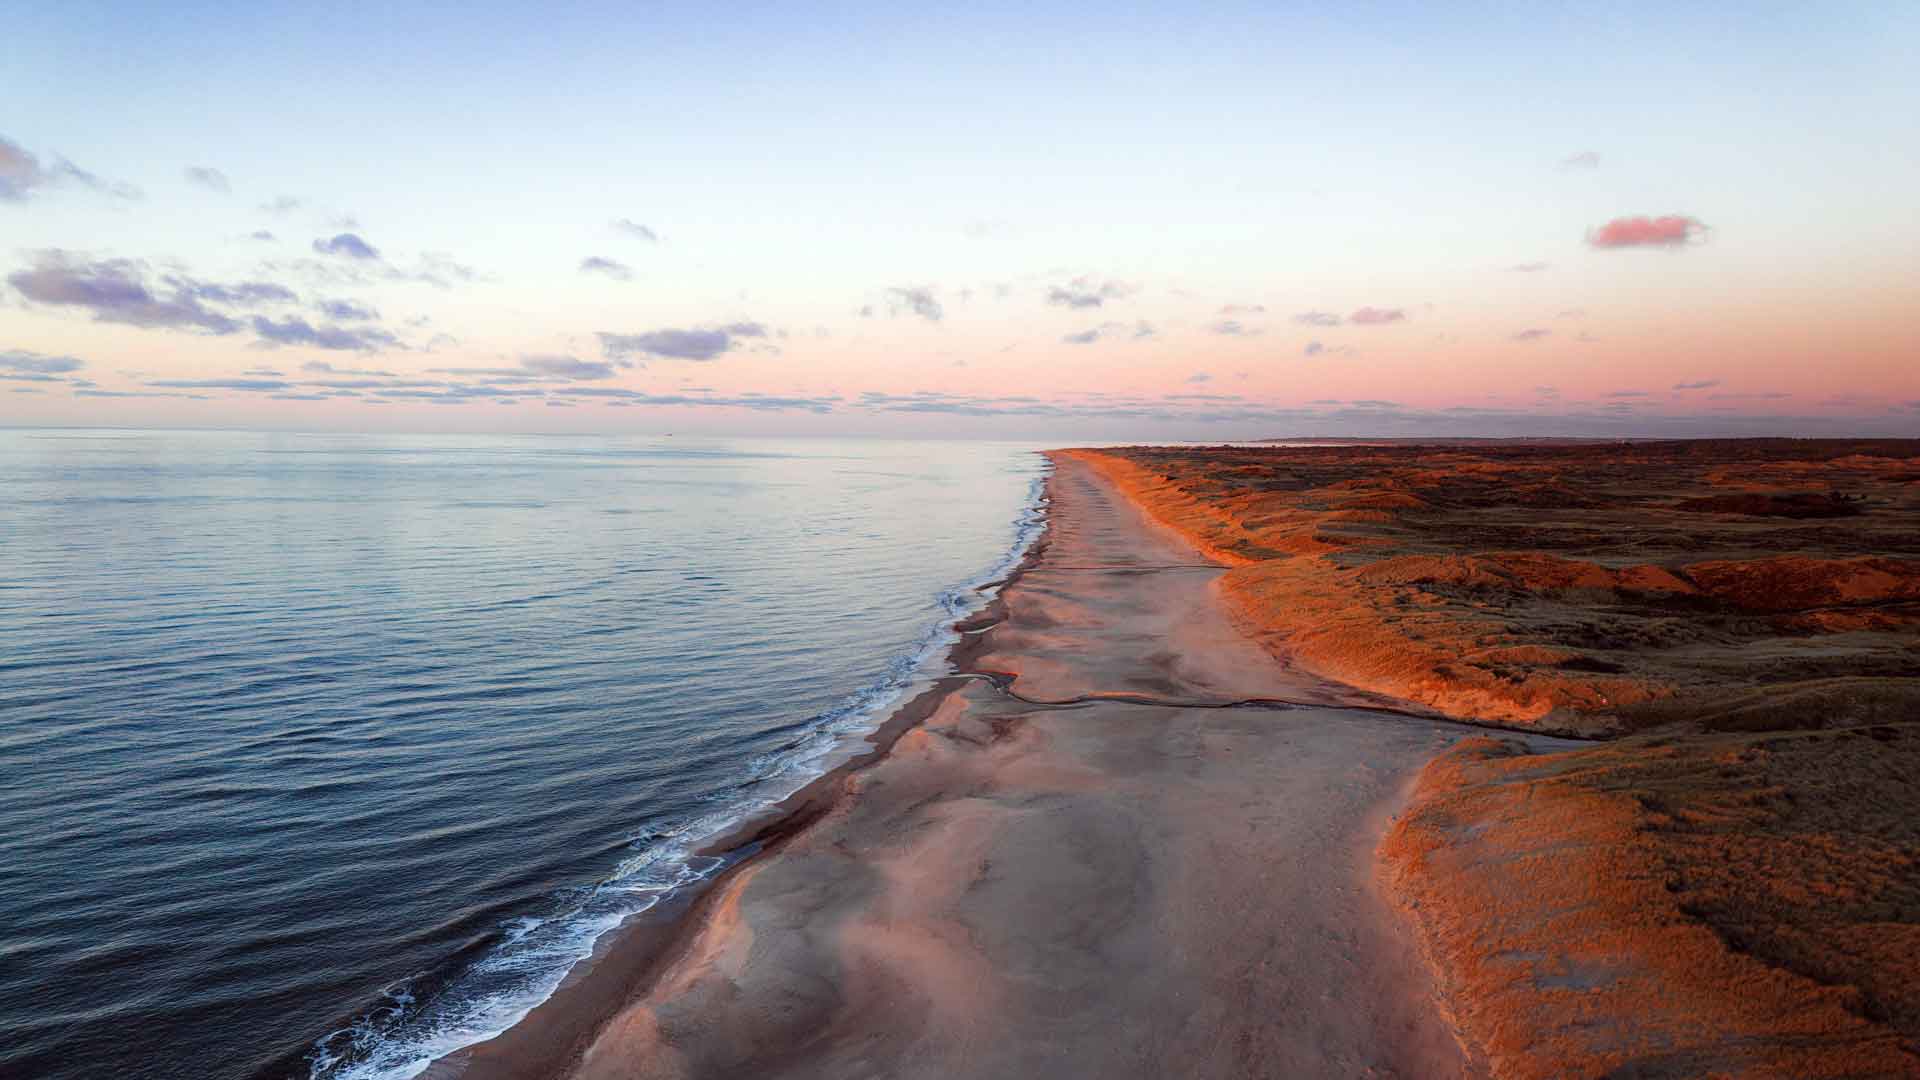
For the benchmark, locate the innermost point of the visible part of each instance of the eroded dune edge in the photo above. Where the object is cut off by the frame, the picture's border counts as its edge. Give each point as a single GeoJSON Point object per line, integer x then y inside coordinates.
{"type": "Point", "coordinates": [1729, 887]}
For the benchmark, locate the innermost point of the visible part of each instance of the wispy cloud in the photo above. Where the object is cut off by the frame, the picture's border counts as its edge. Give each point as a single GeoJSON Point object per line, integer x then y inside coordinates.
{"type": "Point", "coordinates": [327, 368]}
{"type": "Point", "coordinates": [1317, 348]}
{"type": "Point", "coordinates": [346, 310]}
{"type": "Point", "coordinates": [1200, 408]}
{"type": "Point", "coordinates": [294, 330]}
{"type": "Point", "coordinates": [566, 367]}
{"type": "Point", "coordinates": [348, 245]}
{"type": "Point", "coordinates": [1317, 318]}
{"type": "Point", "coordinates": [241, 294]}
{"type": "Point", "coordinates": [438, 269]}
{"type": "Point", "coordinates": [918, 299]}
{"type": "Point", "coordinates": [758, 402]}
{"type": "Point", "coordinates": [635, 229]}
{"type": "Point", "coordinates": [1528, 267]}
{"type": "Point", "coordinates": [22, 176]}
{"type": "Point", "coordinates": [211, 179]}
{"type": "Point", "coordinates": [1670, 231]}
{"type": "Point", "coordinates": [124, 291]}
{"type": "Point", "coordinates": [22, 360]}
{"type": "Point", "coordinates": [598, 264]}
{"type": "Point", "coordinates": [1136, 331]}
{"type": "Point", "coordinates": [91, 393]}
{"type": "Point", "coordinates": [256, 385]}
{"type": "Point", "coordinates": [705, 343]}
{"type": "Point", "coordinates": [1231, 328]}
{"type": "Point", "coordinates": [1088, 292]}
{"type": "Point", "coordinates": [115, 291]}
{"type": "Point", "coordinates": [1373, 316]}
{"type": "Point", "coordinates": [1703, 384]}
{"type": "Point", "coordinates": [281, 205]}
{"type": "Point", "coordinates": [432, 268]}
{"type": "Point", "coordinates": [1757, 395]}
{"type": "Point", "coordinates": [1585, 159]}
{"type": "Point", "coordinates": [1531, 334]}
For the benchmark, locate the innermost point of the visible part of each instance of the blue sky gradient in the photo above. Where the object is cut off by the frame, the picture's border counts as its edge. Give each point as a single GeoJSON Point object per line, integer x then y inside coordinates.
{"type": "Point", "coordinates": [800, 167]}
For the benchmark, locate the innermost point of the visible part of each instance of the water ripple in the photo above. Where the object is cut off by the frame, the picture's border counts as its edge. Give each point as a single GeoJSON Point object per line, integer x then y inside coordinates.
{"type": "Point", "coordinates": [320, 755]}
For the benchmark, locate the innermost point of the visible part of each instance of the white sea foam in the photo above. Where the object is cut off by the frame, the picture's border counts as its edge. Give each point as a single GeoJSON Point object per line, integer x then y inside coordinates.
{"type": "Point", "coordinates": [402, 1037]}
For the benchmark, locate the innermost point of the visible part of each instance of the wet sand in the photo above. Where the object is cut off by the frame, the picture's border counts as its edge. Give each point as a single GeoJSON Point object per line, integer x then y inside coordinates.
{"type": "Point", "coordinates": [1107, 888]}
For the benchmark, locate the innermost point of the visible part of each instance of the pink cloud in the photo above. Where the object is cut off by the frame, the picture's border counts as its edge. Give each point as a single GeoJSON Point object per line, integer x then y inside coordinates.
{"type": "Point", "coordinates": [1372, 316]}
{"type": "Point", "coordinates": [1672, 230]}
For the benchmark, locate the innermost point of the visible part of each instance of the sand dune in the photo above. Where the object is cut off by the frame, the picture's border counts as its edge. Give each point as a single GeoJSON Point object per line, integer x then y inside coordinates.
{"type": "Point", "coordinates": [1744, 902]}
{"type": "Point", "coordinates": [1593, 589]}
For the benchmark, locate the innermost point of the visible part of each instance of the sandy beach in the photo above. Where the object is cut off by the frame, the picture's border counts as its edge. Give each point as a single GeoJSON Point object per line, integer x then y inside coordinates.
{"type": "Point", "coordinates": [1140, 831]}
{"type": "Point", "coordinates": [1085, 857]}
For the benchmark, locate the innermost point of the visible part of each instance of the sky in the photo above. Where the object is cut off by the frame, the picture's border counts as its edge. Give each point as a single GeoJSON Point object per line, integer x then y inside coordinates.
{"type": "Point", "coordinates": [1036, 220]}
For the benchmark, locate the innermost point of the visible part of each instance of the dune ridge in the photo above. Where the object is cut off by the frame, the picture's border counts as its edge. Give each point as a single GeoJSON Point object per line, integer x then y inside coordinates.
{"type": "Point", "coordinates": [1734, 890]}
{"type": "Point", "coordinates": [1578, 589]}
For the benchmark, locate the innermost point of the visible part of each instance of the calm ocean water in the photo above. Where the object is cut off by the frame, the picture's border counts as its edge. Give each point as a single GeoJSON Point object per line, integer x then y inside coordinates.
{"type": "Point", "coordinates": [321, 755]}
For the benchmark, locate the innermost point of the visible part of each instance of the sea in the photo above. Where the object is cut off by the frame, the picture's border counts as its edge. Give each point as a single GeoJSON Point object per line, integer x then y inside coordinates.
{"type": "Point", "coordinates": [324, 755]}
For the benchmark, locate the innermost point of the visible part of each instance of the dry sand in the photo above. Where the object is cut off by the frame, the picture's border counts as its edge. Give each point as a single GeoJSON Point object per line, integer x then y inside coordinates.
{"type": "Point", "coordinates": [1110, 888]}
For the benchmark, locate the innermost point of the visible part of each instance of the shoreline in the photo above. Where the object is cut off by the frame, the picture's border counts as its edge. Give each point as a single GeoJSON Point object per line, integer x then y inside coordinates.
{"type": "Point", "coordinates": [546, 1041]}
{"type": "Point", "coordinates": [650, 958]}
